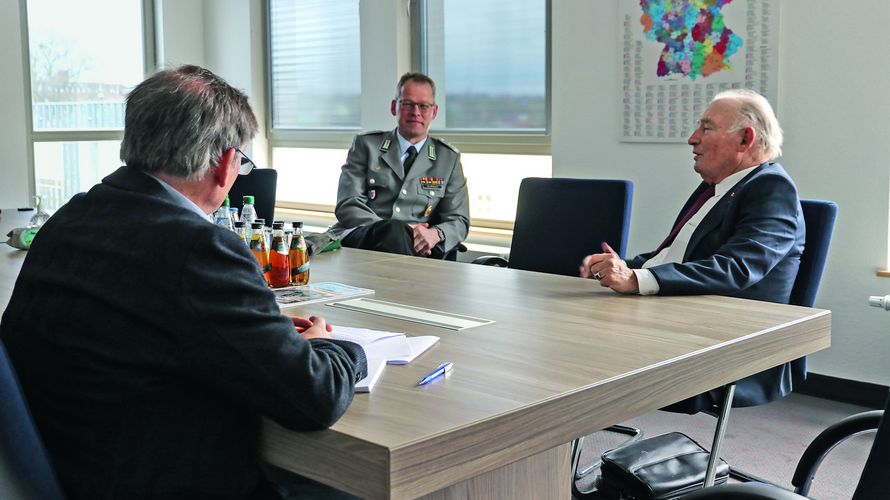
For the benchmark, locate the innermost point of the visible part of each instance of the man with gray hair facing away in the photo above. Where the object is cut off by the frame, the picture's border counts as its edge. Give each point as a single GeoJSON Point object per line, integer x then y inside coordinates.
{"type": "Point", "coordinates": [147, 342]}
{"type": "Point", "coordinates": [741, 233]}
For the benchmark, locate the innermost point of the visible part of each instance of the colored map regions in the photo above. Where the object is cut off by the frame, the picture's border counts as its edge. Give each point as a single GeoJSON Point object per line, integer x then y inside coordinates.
{"type": "Point", "coordinates": [694, 33]}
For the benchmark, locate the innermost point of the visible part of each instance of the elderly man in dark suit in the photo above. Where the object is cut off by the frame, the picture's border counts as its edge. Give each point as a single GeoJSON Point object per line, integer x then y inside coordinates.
{"type": "Point", "coordinates": [741, 233]}
{"type": "Point", "coordinates": [402, 191]}
{"type": "Point", "coordinates": [147, 342]}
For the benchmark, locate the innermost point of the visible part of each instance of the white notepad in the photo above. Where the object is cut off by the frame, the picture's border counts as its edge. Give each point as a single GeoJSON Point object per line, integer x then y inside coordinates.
{"type": "Point", "coordinates": [376, 344]}
{"type": "Point", "coordinates": [418, 346]}
{"type": "Point", "coordinates": [375, 369]}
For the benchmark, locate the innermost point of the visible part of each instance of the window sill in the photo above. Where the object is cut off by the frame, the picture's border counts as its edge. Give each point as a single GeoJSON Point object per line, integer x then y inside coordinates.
{"type": "Point", "coordinates": [884, 273]}
{"type": "Point", "coordinates": [484, 240]}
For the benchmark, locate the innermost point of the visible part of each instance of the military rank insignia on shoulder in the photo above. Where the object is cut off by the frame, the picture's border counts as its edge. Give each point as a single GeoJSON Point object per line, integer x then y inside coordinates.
{"type": "Point", "coordinates": [372, 132]}
{"type": "Point", "coordinates": [445, 143]}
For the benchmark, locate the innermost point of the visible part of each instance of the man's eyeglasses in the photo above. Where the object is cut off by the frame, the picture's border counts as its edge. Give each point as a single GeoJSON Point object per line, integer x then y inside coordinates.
{"type": "Point", "coordinates": [422, 106]}
{"type": "Point", "coordinates": [246, 163]}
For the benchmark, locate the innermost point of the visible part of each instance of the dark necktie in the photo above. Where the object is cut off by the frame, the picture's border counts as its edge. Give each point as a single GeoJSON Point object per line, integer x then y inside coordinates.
{"type": "Point", "coordinates": [412, 155]}
{"type": "Point", "coordinates": [702, 198]}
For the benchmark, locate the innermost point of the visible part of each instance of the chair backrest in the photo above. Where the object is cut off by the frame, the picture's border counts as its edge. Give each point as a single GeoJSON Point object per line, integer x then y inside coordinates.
{"type": "Point", "coordinates": [819, 217]}
{"type": "Point", "coordinates": [261, 183]}
{"type": "Point", "coordinates": [23, 454]}
{"type": "Point", "coordinates": [873, 482]}
{"type": "Point", "coordinates": [560, 221]}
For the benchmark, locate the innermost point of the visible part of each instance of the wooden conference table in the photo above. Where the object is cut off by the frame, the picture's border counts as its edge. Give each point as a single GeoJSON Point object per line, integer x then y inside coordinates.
{"type": "Point", "coordinates": [564, 358]}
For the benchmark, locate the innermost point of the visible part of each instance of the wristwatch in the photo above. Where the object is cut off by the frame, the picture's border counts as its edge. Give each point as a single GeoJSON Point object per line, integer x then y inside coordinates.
{"type": "Point", "coordinates": [441, 234]}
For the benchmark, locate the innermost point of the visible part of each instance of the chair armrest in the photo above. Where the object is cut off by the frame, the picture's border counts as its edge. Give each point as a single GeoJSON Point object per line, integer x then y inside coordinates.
{"type": "Point", "coordinates": [826, 441]}
{"type": "Point", "coordinates": [491, 260]}
{"type": "Point", "coordinates": [743, 491]}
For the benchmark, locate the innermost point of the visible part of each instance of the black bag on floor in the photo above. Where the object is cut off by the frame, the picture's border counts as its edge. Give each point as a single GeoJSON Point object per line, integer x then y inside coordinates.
{"type": "Point", "coordinates": [661, 467]}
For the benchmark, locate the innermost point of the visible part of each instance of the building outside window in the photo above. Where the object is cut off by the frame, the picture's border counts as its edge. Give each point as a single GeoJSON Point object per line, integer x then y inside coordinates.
{"type": "Point", "coordinates": [81, 69]}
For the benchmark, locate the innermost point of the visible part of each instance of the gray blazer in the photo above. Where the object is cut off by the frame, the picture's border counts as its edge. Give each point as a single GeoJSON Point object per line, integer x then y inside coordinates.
{"type": "Point", "coordinates": [373, 187]}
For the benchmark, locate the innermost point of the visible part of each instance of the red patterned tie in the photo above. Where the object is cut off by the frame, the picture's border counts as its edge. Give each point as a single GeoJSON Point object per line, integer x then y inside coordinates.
{"type": "Point", "coordinates": [702, 198]}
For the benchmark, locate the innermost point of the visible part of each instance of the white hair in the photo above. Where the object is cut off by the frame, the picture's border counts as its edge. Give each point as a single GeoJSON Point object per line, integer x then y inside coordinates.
{"type": "Point", "coordinates": [755, 111]}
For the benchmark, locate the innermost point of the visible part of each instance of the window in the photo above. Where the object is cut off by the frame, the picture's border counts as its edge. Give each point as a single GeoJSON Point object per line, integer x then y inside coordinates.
{"type": "Point", "coordinates": [81, 70]}
{"type": "Point", "coordinates": [490, 63]}
{"type": "Point", "coordinates": [314, 63]}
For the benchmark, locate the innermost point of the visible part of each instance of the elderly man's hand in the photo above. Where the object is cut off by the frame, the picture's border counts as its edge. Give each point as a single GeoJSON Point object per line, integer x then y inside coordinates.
{"type": "Point", "coordinates": [610, 270]}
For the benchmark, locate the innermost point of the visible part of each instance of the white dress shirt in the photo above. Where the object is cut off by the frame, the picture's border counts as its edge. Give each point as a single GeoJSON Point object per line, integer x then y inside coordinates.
{"type": "Point", "coordinates": [404, 144]}
{"type": "Point", "coordinates": [181, 199]}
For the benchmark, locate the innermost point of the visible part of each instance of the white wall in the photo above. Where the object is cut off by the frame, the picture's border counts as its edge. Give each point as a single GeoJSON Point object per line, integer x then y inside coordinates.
{"type": "Point", "coordinates": [15, 172]}
{"type": "Point", "coordinates": [834, 96]}
{"type": "Point", "coordinates": [834, 102]}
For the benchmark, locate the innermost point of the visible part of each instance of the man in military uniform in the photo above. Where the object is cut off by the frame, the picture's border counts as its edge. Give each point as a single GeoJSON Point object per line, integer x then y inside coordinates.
{"type": "Point", "coordinates": [402, 191]}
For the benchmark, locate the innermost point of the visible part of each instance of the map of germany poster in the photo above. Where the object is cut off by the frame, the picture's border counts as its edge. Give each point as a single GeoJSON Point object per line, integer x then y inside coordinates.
{"type": "Point", "coordinates": [677, 54]}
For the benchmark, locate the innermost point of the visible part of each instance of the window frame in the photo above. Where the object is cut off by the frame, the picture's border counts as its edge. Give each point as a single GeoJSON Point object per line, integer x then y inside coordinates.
{"type": "Point", "coordinates": [509, 142]}
{"type": "Point", "coordinates": [515, 141]}
{"type": "Point", "coordinates": [149, 57]}
{"type": "Point", "coordinates": [326, 138]}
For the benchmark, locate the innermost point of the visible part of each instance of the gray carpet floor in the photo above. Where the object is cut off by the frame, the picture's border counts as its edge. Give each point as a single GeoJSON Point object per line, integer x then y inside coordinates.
{"type": "Point", "coordinates": [765, 441]}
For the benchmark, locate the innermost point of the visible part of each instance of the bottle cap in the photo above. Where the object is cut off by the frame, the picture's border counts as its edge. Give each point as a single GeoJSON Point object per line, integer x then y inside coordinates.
{"type": "Point", "coordinates": [247, 200]}
{"type": "Point", "coordinates": [279, 224]}
{"type": "Point", "coordinates": [256, 225]}
{"type": "Point", "coordinates": [226, 203]}
{"type": "Point", "coordinates": [239, 223]}
{"type": "Point", "coordinates": [261, 221]}
{"type": "Point", "coordinates": [297, 224]}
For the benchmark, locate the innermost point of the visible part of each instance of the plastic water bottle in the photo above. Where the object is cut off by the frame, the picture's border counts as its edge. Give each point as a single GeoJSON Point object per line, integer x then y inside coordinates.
{"type": "Point", "coordinates": [248, 212]}
{"type": "Point", "coordinates": [222, 216]}
{"type": "Point", "coordinates": [241, 231]}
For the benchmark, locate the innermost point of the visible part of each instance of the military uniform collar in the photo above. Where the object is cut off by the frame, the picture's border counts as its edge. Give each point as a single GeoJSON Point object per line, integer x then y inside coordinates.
{"type": "Point", "coordinates": [404, 144]}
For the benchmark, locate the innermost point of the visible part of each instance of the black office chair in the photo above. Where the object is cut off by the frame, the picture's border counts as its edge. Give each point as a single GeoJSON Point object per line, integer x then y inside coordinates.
{"type": "Point", "coordinates": [560, 221]}
{"type": "Point", "coordinates": [261, 183]}
{"type": "Point", "coordinates": [23, 456]}
{"type": "Point", "coordinates": [819, 217]}
{"type": "Point", "coordinates": [872, 484]}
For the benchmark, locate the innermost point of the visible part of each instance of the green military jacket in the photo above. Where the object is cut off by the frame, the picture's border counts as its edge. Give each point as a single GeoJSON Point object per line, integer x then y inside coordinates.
{"type": "Point", "coordinates": [373, 186]}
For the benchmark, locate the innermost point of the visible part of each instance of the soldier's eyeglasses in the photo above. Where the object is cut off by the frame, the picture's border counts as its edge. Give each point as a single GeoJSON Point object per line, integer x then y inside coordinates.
{"type": "Point", "coordinates": [422, 106]}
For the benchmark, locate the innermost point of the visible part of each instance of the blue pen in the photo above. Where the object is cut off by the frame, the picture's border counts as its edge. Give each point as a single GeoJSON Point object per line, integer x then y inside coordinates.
{"type": "Point", "coordinates": [441, 370]}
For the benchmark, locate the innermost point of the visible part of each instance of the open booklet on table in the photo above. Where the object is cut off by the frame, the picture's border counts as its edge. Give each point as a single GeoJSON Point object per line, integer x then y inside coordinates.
{"type": "Point", "coordinates": [383, 348]}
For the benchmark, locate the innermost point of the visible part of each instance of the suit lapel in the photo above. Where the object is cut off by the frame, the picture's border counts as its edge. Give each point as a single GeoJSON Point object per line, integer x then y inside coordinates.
{"type": "Point", "coordinates": [391, 157]}
{"type": "Point", "coordinates": [423, 162]}
{"type": "Point", "coordinates": [718, 213]}
{"type": "Point", "coordinates": [710, 222]}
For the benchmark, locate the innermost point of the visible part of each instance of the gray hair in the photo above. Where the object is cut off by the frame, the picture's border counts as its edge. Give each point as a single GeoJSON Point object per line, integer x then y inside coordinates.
{"type": "Point", "coordinates": [416, 78]}
{"type": "Point", "coordinates": [755, 111]}
{"type": "Point", "coordinates": [180, 122]}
